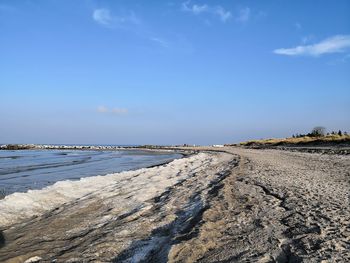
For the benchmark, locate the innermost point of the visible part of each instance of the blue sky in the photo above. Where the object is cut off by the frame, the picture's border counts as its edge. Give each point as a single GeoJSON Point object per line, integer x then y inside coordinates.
{"type": "Point", "coordinates": [171, 72]}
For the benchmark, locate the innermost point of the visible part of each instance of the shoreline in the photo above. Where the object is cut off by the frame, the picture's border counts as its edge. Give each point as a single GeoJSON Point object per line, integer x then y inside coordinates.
{"type": "Point", "coordinates": [185, 155]}
{"type": "Point", "coordinates": [221, 204]}
{"type": "Point", "coordinates": [130, 205]}
{"type": "Point", "coordinates": [180, 155]}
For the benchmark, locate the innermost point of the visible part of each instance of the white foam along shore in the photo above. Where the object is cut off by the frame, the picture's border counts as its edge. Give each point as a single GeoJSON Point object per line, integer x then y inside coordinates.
{"type": "Point", "coordinates": [138, 185]}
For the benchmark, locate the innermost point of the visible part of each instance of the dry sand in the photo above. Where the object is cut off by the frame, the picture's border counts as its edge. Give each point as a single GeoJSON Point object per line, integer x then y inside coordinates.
{"type": "Point", "coordinates": [237, 205]}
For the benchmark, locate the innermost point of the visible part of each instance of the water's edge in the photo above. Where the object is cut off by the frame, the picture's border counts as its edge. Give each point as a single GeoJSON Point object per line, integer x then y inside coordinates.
{"type": "Point", "coordinates": [43, 176]}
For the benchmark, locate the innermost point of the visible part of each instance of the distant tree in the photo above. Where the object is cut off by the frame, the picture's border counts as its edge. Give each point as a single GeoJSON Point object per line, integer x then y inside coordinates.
{"type": "Point", "coordinates": [293, 136]}
{"type": "Point", "coordinates": [318, 131]}
{"type": "Point", "coordinates": [333, 133]}
{"type": "Point", "coordinates": [345, 133]}
{"type": "Point", "coordinates": [340, 133]}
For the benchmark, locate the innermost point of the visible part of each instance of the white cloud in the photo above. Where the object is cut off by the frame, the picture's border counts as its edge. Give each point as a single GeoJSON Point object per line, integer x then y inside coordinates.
{"type": "Point", "coordinates": [102, 109]}
{"type": "Point", "coordinates": [218, 11]}
{"type": "Point", "coordinates": [223, 14]}
{"type": "Point", "coordinates": [160, 41]}
{"type": "Point", "coordinates": [104, 17]}
{"type": "Point", "coordinates": [197, 9]}
{"type": "Point", "coordinates": [335, 44]}
{"type": "Point", "coordinates": [244, 15]}
{"type": "Point", "coordinates": [115, 111]}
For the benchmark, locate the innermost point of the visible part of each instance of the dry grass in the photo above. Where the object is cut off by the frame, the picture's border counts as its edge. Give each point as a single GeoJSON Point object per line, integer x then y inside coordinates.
{"type": "Point", "coordinates": [336, 139]}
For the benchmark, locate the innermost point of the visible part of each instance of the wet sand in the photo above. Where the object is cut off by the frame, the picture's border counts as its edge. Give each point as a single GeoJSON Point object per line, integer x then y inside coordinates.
{"type": "Point", "coordinates": [236, 205]}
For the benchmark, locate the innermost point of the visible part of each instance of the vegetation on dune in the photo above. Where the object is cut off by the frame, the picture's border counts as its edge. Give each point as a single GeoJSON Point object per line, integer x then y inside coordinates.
{"type": "Point", "coordinates": [318, 135]}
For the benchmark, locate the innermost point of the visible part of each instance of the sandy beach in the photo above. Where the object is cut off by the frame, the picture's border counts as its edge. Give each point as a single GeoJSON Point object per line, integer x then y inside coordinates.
{"type": "Point", "coordinates": [228, 205]}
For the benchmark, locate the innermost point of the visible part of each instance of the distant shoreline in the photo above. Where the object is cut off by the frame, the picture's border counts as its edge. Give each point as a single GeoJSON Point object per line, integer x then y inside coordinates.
{"type": "Point", "coordinates": [61, 147]}
{"type": "Point", "coordinates": [12, 147]}
{"type": "Point", "coordinates": [317, 145]}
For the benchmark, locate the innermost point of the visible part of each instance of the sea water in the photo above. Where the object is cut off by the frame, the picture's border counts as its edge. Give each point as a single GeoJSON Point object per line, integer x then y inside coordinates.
{"type": "Point", "coordinates": [22, 170]}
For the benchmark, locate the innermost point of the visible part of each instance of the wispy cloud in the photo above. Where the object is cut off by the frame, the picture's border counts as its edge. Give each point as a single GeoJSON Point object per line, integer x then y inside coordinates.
{"type": "Point", "coordinates": [130, 22]}
{"type": "Point", "coordinates": [160, 41]}
{"type": "Point", "coordinates": [217, 11]}
{"type": "Point", "coordinates": [103, 16]}
{"type": "Point", "coordinates": [102, 109]}
{"type": "Point", "coordinates": [307, 39]}
{"type": "Point", "coordinates": [195, 9]}
{"type": "Point", "coordinates": [115, 111]}
{"type": "Point", "coordinates": [223, 14]}
{"type": "Point", "coordinates": [244, 15]}
{"type": "Point", "coordinates": [335, 44]}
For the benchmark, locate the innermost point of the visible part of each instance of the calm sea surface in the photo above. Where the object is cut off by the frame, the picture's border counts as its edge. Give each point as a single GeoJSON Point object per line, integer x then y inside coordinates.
{"type": "Point", "coordinates": [34, 169]}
